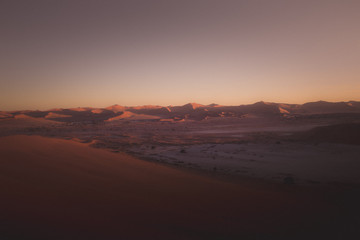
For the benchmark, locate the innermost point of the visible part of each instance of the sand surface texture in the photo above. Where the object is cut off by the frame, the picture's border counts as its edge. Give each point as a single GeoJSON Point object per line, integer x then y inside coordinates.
{"type": "Point", "coordinates": [61, 189]}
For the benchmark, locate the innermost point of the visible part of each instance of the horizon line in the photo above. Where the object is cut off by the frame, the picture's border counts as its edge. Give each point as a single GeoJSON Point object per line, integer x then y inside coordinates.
{"type": "Point", "coordinates": [156, 105]}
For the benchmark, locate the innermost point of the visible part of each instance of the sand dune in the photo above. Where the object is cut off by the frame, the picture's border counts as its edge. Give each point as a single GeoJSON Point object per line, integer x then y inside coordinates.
{"type": "Point", "coordinates": [186, 107]}
{"type": "Point", "coordinates": [22, 116]}
{"type": "Point", "coordinates": [56, 115]}
{"type": "Point", "coordinates": [282, 110]}
{"type": "Point", "coordinates": [132, 116]}
{"type": "Point", "coordinates": [116, 108]}
{"type": "Point", "coordinates": [61, 189]}
{"type": "Point", "coordinates": [97, 111]}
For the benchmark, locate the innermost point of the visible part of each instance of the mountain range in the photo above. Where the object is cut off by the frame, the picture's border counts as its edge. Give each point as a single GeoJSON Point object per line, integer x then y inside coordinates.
{"type": "Point", "coordinates": [190, 111]}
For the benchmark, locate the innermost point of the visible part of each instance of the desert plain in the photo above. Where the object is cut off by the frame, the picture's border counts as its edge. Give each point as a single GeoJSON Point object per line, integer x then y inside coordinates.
{"type": "Point", "coordinates": [258, 171]}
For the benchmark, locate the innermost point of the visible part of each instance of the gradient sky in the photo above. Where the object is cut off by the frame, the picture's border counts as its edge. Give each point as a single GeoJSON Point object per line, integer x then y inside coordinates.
{"type": "Point", "coordinates": [99, 53]}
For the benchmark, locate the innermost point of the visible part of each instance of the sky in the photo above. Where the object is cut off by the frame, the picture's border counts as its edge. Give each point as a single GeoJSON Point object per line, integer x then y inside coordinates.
{"type": "Point", "coordinates": [73, 53]}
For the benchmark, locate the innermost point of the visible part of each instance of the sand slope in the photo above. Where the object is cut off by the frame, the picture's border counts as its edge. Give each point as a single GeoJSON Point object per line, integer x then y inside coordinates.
{"type": "Point", "coordinates": [61, 189]}
{"type": "Point", "coordinates": [132, 116]}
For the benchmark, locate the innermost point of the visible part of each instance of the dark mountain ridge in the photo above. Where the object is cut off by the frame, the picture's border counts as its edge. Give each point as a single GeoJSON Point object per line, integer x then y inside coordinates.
{"type": "Point", "coordinates": [190, 111]}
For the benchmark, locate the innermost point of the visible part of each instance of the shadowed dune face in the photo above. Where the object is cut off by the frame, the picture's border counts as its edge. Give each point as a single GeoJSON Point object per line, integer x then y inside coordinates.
{"type": "Point", "coordinates": [60, 189]}
{"type": "Point", "coordinates": [56, 115]}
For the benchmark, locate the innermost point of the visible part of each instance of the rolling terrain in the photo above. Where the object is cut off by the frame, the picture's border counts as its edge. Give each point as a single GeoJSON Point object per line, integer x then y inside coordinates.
{"type": "Point", "coordinates": [259, 171]}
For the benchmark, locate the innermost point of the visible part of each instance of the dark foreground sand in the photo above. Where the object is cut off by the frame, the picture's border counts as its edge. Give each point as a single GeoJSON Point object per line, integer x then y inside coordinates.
{"type": "Point", "coordinates": [61, 189]}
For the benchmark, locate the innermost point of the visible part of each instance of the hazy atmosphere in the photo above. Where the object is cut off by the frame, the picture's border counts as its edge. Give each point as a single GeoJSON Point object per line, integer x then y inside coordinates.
{"type": "Point", "coordinates": [99, 53]}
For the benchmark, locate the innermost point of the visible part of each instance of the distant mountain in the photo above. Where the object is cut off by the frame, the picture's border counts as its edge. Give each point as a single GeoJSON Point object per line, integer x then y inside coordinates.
{"type": "Point", "coordinates": [186, 107]}
{"type": "Point", "coordinates": [329, 107]}
{"type": "Point", "coordinates": [190, 111]}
